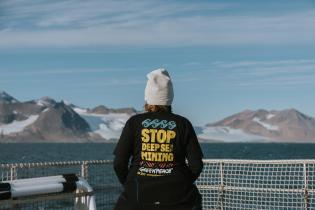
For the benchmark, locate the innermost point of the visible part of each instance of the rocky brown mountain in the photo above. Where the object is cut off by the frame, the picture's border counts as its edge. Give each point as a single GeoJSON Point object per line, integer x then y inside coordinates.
{"type": "Point", "coordinates": [59, 122]}
{"type": "Point", "coordinates": [6, 98]}
{"type": "Point", "coordinates": [285, 125]}
{"type": "Point", "coordinates": [46, 120]}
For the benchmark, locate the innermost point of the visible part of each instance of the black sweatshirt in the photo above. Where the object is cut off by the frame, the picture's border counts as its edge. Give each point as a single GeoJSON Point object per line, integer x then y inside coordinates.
{"type": "Point", "coordinates": [158, 144]}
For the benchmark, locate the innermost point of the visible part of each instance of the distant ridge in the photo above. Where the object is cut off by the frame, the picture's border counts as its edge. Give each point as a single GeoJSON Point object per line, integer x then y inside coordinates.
{"type": "Point", "coordinates": [289, 125]}
{"type": "Point", "coordinates": [6, 98]}
{"type": "Point", "coordinates": [46, 120]}
{"type": "Point", "coordinates": [104, 110]}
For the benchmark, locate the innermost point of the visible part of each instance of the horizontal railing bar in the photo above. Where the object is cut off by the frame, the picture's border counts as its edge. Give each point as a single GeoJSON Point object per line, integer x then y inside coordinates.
{"type": "Point", "coordinates": [50, 164]}
{"type": "Point", "coordinates": [260, 189]}
{"type": "Point", "coordinates": [245, 161]}
{"type": "Point", "coordinates": [96, 162]}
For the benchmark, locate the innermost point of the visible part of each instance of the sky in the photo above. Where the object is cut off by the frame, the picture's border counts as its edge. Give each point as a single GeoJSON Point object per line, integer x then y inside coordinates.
{"type": "Point", "coordinates": [223, 56]}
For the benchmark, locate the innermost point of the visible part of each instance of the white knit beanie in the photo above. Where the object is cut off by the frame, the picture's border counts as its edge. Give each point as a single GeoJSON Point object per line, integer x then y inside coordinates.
{"type": "Point", "coordinates": [159, 89]}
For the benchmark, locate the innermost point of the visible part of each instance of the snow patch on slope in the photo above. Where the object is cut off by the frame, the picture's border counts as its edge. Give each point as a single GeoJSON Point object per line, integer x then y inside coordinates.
{"type": "Point", "coordinates": [80, 110]}
{"type": "Point", "coordinates": [109, 126]}
{"type": "Point", "coordinates": [45, 101]}
{"type": "Point", "coordinates": [17, 126]}
{"type": "Point", "coordinates": [227, 134]}
{"type": "Point", "coordinates": [266, 125]}
{"type": "Point", "coordinates": [269, 116]}
{"type": "Point", "coordinates": [40, 103]}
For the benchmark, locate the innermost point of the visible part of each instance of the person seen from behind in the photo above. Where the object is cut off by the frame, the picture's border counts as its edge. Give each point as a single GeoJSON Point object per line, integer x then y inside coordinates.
{"type": "Point", "coordinates": [150, 156]}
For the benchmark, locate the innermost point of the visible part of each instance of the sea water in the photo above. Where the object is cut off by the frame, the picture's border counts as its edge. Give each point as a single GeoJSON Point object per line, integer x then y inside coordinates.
{"type": "Point", "coordinates": [41, 152]}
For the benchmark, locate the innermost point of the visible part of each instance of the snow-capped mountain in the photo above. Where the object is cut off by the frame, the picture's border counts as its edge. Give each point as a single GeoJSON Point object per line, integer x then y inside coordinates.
{"type": "Point", "coordinates": [59, 122]}
{"type": "Point", "coordinates": [45, 119]}
{"type": "Point", "coordinates": [45, 102]}
{"type": "Point", "coordinates": [262, 125]}
{"type": "Point", "coordinates": [6, 98]}
{"type": "Point", "coordinates": [227, 134]}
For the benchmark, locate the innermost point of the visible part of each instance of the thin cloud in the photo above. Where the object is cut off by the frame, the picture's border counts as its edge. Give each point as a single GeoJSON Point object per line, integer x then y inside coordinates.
{"type": "Point", "coordinates": [107, 83]}
{"type": "Point", "coordinates": [146, 23]}
{"type": "Point", "coordinates": [283, 81]}
{"type": "Point", "coordinates": [268, 68]}
{"type": "Point", "coordinates": [242, 64]}
{"type": "Point", "coordinates": [252, 73]}
{"type": "Point", "coordinates": [269, 73]}
{"type": "Point", "coordinates": [48, 72]}
{"type": "Point", "coordinates": [69, 12]}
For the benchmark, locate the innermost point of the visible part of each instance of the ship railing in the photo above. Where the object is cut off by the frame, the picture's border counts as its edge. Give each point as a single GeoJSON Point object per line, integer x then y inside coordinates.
{"type": "Point", "coordinates": [224, 183]}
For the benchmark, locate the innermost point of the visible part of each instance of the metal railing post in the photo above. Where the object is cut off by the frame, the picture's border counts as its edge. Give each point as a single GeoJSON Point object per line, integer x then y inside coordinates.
{"type": "Point", "coordinates": [13, 173]}
{"type": "Point", "coordinates": [13, 176]}
{"type": "Point", "coordinates": [221, 189]}
{"type": "Point", "coordinates": [85, 170]}
{"type": "Point", "coordinates": [305, 193]}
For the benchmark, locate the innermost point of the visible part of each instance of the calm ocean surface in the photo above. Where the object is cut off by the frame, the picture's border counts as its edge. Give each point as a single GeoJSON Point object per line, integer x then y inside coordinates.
{"type": "Point", "coordinates": [15, 153]}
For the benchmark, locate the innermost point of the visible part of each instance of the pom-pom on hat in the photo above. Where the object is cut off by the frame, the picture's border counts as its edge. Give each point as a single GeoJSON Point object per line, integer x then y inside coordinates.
{"type": "Point", "coordinates": [159, 88]}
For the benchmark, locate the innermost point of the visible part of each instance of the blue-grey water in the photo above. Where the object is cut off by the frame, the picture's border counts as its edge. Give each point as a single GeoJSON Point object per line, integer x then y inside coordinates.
{"type": "Point", "coordinates": [18, 152]}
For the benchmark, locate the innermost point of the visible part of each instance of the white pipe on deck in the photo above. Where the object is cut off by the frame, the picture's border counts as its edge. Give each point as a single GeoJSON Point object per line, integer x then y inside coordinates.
{"type": "Point", "coordinates": [53, 184]}
{"type": "Point", "coordinates": [37, 181]}
{"type": "Point", "coordinates": [36, 189]}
